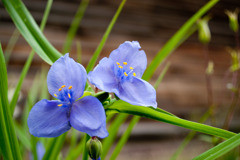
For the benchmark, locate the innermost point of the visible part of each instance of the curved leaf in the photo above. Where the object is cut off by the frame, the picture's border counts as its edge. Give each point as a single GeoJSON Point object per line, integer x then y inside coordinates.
{"type": "Point", "coordinates": [124, 107]}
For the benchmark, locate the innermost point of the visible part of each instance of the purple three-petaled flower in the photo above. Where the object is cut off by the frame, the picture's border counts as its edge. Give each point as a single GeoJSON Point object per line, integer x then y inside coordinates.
{"type": "Point", "coordinates": [121, 73]}
{"type": "Point", "coordinates": [50, 118]}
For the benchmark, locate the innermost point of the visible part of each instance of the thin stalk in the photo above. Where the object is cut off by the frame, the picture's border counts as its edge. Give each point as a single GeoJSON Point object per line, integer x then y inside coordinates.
{"type": "Point", "coordinates": [74, 26]}
{"type": "Point", "coordinates": [235, 94]}
{"type": "Point", "coordinates": [85, 153]}
{"type": "Point", "coordinates": [97, 52]}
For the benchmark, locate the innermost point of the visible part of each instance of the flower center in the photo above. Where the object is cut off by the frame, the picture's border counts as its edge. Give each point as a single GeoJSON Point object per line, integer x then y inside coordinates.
{"type": "Point", "coordinates": [65, 95]}
{"type": "Point", "coordinates": [124, 72]}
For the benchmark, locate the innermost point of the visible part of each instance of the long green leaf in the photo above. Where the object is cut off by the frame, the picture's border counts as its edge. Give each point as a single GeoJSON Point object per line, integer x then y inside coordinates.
{"type": "Point", "coordinates": [170, 45]}
{"type": "Point", "coordinates": [85, 153]}
{"type": "Point", "coordinates": [11, 45]}
{"type": "Point", "coordinates": [113, 130]}
{"type": "Point", "coordinates": [190, 136]}
{"type": "Point", "coordinates": [10, 148]}
{"type": "Point", "coordinates": [220, 149]}
{"type": "Point", "coordinates": [75, 153]}
{"type": "Point", "coordinates": [4, 137]}
{"type": "Point", "coordinates": [97, 52]}
{"type": "Point", "coordinates": [74, 26]}
{"type": "Point", "coordinates": [124, 107]}
{"type": "Point", "coordinates": [30, 30]}
{"type": "Point", "coordinates": [125, 137]}
{"type": "Point", "coordinates": [53, 147]}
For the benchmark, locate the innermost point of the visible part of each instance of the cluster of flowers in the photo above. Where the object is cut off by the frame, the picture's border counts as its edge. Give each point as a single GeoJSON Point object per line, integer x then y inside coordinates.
{"type": "Point", "coordinates": [120, 73]}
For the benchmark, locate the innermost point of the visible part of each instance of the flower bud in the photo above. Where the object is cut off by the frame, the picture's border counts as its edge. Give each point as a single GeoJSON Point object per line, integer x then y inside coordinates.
{"type": "Point", "coordinates": [233, 19]}
{"type": "Point", "coordinates": [94, 148]}
{"type": "Point", "coordinates": [204, 34]}
{"type": "Point", "coordinates": [210, 68]}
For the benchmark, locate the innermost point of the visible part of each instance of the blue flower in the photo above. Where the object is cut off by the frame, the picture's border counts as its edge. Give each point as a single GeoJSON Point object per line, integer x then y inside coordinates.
{"type": "Point", "coordinates": [50, 118]}
{"type": "Point", "coordinates": [121, 73]}
{"type": "Point", "coordinates": [40, 151]}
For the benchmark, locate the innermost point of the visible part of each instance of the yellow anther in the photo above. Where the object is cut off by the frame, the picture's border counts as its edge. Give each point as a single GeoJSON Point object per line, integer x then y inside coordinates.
{"type": "Point", "coordinates": [69, 96]}
{"type": "Point", "coordinates": [125, 63]}
{"type": "Point", "coordinates": [131, 67]}
{"type": "Point", "coordinates": [70, 87]}
{"type": "Point", "coordinates": [55, 95]}
{"type": "Point", "coordinates": [59, 89]}
{"type": "Point", "coordinates": [118, 63]}
{"type": "Point", "coordinates": [63, 86]}
{"type": "Point", "coordinates": [120, 66]}
{"type": "Point", "coordinates": [125, 74]}
{"type": "Point", "coordinates": [60, 105]}
{"type": "Point", "coordinates": [134, 74]}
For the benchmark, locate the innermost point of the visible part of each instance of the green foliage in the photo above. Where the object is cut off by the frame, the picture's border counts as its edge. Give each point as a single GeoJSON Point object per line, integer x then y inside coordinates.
{"type": "Point", "coordinates": [34, 36]}
{"type": "Point", "coordinates": [9, 143]}
{"type": "Point", "coordinates": [220, 149]}
{"type": "Point", "coordinates": [97, 52]}
{"type": "Point", "coordinates": [30, 30]}
{"type": "Point", "coordinates": [174, 40]}
{"type": "Point", "coordinates": [124, 107]}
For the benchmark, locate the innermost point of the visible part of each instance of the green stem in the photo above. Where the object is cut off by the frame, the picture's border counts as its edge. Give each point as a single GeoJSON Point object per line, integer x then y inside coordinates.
{"type": "Point", "coordinates": [85, 153]}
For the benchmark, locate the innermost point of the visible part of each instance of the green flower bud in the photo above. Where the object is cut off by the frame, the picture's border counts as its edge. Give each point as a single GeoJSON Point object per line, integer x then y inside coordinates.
{"type": "Point", "coordinates": [204, 34]}
{"type": "Point", "coordinates": [233, 19]}
{"type": "Point", "coordinates": [210, 68]}
{"type": "Point", "coordinates": [94, 148]}
{"type": "Point", "coordinates": [235, 60]}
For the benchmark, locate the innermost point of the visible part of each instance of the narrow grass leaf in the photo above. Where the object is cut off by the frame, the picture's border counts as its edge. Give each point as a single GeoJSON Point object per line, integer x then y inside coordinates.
{"type": "Point", "coordinates": [85, 153]}
{"type": "Point", "coordinates": [97, 52]}
{"type": "Point", "coordinates": [8, 135]}
{"type": "Point", "coordinates": [77, 151]}
{"type": "Point", "coordinates": [160, 77]}
{"type": "Point", "coordinates": [124, 137]}
{"type": "Point", "coordinates": [124, 107]}
{"type": "Point", "coordinates": [29, 61]}
{"type": "Point", "coordinates": [11, 44]}
{"type": "Point", "coordinates": [30, 30]}
{"type": "Point", "coordinates": [53, 148]}
{"type": "Point", "coordinates": [74, 26]}
{"type": "Point", "coordinates": [113, 130]}
{"type": "Point", "coordinates": [176, 39]}
{"type": "Point", "coordinates": [220, 149]}
{"type": "Point", "coordinates": [190, 136]}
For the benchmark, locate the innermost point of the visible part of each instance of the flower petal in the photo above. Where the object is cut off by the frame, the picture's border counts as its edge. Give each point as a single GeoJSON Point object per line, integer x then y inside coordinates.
{"type": "Point", "coordinates": [138, 92]}
{"type": "Point", "coordinates": [65, 71]}
{"type": "Point", "coordinates": [129, 52]}
{"type": "Point", "coordinates": [46, 119]}
{"type": "Point", "coordinates": [103, 76]}
{"type": "Point", "coordinates": [88, 115]}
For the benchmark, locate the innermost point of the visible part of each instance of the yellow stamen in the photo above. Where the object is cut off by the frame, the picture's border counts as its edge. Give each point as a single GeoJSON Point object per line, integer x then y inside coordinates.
{"type": "Point", "coordinates": [59, 89]}
{"type": "Point", "coordinates": [118, 63]}
{"type": "Point", "coordinates": [125, 74]}
{"type": "Point", "coordinates": [134, 74]}
{"type": "Point", "coordinates": [69, 95]}
{"type": "Point", "coordinates": [131, 67]}
{"type": "Point", "coordinates": [55, 95]}
{"type": "Point", "coordinates": [125, 63]}
{"type": "Point", "coordinates": [70, 87]}
{"type": "Point", "coordinates": [120, 66]}
{"type": "Point", "coordinates": [63, 86]}
{"type": "Point", "coordinates": [60, 105]}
